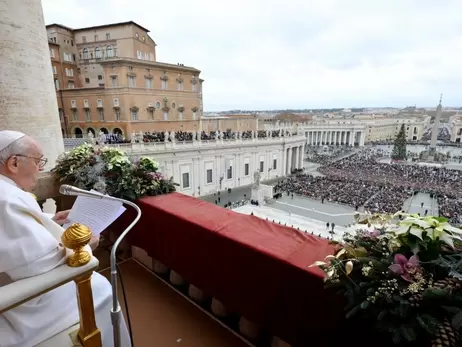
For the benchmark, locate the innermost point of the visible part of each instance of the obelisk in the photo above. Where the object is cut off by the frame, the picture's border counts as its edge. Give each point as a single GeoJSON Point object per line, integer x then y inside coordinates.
{"type": "Point", "coordinates": [27, 93]}
{"type": "Point", "coordinates": [436, 126]}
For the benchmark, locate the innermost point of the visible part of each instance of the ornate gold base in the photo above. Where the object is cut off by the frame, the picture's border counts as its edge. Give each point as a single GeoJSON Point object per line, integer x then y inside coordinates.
{"type": "Point", "coordinates": [79, 258]}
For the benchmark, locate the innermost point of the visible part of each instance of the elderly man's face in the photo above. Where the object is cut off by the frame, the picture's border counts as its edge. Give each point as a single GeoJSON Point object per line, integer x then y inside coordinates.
{"type": "Point", "coordinates": [25, 167]}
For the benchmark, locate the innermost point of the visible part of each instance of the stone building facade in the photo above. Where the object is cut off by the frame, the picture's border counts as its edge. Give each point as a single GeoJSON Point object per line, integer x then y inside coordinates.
{"type": "Point", "coordinates": [107, 78]}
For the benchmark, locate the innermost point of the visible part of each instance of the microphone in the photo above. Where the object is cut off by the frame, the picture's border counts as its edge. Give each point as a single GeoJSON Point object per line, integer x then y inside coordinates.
{"type": "Point", "coordinates": [66, 189]}
{"type": "Point", "coordinates": [116, 311]}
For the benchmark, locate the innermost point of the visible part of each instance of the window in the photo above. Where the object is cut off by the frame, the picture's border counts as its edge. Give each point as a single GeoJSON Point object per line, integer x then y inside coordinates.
{"type": "Point", "coordinates": [98, 54]}
{"type": "Point", "coordinates": [117, 114]}
{"type": "Point", "coordinates": [56, 84]}
{"type": "Point", "coordinates": [229, 173]}
{"type": "Point", "coordinates": [85, 54]}
{"type": "Point", "coordinates": [246, 169]}
{"type": "Point", "coordinates": [134, 114]}
{"type": "Point", "coordinates": [113, 81]}
{"type": "Point", "coordinates": [87, 80]}
{"type": "Point", "coordinates": [194, 88]}
{"type": "Point", "coordinates": [115, 102]}
{"type": "Point", "coordinates": [69, 72]}
{"type": "Point", "coordinates": [275, 164]}
{"type": "Point", "coordinates": [131, 81]}
{"type": "Point", "coordinates": [70, 85]}
{"type": "Point", "coordinates": [101, 114]}
{"type": "Point", "coordinates": [179, 85]}
{"type": "Point", "coordinates": [108, 36]}
{"type": "Point", "coordinates": [209, 176]}
{"type": "Point", "coordinates": [165, 115]}
{"type": "Point", "coordinates": [100, 77]}
{"type": "Point", "coordinates": [99, 103]}
{"type": "Point", "coordinates": [164, 84]}
{"type": "Point", "coordinates": [137, 35]}
{"type": "Point", "coordinates": [52, 52]}
{"type": "Point", "coordinates": [96, 37]}
{"type": "Point", "coordinates": [262, 166]}
{"type": "Point", "coordinates": [180, 115]}
{"type": "Point", "coordinates": [67, 56]}
{"type": "Point", "coordinates": [54, 70]}
{"type": "Point", "coordinates": [157, 104]}
{"type": "Point", "coordinates": [148, 83]}
{"type": "Point", "coordinates": [139, 54]}
{"type": "Point", "coordinates": [151, 114]}
{"type": "Point", "coordinates": [75, 115]}
{"type": "Point", "coordinates": [194, 115]}
{"type": "Point", "coordinates": [146, 56]}
{"type": "Point", "coordinates": [109, 52]}
{"type": "Point", "coordinates": [87, 115]}
{"type": "Point", "coordinates": [72, 43]}
{"type": "Point", "coordinates": [185, 177]}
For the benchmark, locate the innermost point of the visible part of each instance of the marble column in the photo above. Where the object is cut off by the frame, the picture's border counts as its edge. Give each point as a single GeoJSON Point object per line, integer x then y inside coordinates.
{"type": "Point", "coordinates": [289, 161]}
{"type": "Point", "coordinates": [27, 92]}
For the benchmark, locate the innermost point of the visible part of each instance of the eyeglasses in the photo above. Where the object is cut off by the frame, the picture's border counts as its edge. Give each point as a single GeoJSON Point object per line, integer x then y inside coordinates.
{"type": "Point", "coordinates": [41, 162]}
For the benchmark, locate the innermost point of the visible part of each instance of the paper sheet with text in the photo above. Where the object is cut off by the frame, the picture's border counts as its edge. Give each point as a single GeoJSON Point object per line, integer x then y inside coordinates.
{"type": "Point", "coordinates": [97, 214]}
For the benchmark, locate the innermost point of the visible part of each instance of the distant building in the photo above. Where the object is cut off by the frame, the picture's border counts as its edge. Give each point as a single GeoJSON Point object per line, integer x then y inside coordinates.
{"type": "Point", "coordinates": [108, 79]}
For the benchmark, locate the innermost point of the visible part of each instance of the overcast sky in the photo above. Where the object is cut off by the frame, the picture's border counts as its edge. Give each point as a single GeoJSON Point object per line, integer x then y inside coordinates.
{"type": "Point", "coordinates": [276, 54]}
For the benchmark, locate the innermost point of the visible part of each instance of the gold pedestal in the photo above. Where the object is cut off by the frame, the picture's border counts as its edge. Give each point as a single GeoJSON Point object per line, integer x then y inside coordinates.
{"type": "Point", "coordinates": [76, 237]}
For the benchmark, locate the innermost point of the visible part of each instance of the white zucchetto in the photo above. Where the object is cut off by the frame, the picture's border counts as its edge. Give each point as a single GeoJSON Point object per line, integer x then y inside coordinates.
{"type": "Point", "coordinates": [7, 137]}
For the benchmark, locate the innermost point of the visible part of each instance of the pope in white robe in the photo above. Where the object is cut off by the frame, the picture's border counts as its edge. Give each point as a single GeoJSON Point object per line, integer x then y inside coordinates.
{"type": "Point", "coordinates": [29, 246]}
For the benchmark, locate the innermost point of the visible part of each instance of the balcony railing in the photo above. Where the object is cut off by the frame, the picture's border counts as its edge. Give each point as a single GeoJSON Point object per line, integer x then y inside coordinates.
{"type": "Point", "coordinates": [184, 145]}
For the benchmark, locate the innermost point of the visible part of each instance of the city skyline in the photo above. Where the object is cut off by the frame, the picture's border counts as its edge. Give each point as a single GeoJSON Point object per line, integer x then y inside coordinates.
{"type": "Point", "coordinates": [267, 55]}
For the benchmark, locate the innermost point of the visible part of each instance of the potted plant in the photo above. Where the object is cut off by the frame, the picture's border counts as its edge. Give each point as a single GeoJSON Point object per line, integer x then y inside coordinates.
{"type": "Point", "coordinates": [111, 171]}
{"type": "Point", "coordinates": [401, 277]}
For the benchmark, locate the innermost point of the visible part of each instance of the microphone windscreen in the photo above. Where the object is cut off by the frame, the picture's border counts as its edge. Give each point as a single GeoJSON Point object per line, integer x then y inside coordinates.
{"type": "Point", "coordinates": [65, 189]}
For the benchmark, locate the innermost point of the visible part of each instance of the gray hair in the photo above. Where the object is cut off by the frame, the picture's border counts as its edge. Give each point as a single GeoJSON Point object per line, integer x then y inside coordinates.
{"type": "Point", "coordinates": [20, 146]}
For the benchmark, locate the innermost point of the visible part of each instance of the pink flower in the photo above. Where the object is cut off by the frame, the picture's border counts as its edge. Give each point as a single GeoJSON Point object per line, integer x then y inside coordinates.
{"type": "Point", "coordinates": [404, 267]}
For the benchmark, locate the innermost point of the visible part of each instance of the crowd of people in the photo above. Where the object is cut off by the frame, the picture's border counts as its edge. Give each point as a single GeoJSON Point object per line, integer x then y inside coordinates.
{"type": "Point", "coordinates": [188, 136]}
{"type": "Point", "coordinates": [361, 181]}
{"type": "Point", "coordinates": [326, 154]}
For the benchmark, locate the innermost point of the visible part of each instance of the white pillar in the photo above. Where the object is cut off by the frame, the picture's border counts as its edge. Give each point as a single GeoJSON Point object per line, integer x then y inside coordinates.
{"type": "Point", "coordinates": [302, 154]}
{"type": "Point", "coordinates": [361, 140]}
{"type": "Point", "coordinates": [27, 92]}
{"type": "Point", "coordinates": [289, 163]}
{"type": "Point", "coordinates": [352, 136]}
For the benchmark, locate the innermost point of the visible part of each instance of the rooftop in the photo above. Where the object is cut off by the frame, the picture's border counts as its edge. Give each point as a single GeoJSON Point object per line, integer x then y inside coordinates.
{"type": "Point", "coordinates": [97, 26]}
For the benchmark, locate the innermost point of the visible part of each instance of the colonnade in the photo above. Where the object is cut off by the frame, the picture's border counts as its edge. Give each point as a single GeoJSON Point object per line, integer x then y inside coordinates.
{"type": "Point", "coordinates": [293, 158]}
{"type": "Point", "coordinates": [335, 137]}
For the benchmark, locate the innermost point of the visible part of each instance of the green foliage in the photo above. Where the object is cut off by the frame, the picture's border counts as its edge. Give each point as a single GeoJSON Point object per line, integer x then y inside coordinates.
{"type": "Point", "coordinates": [111, 171]}
{"type": "Point", "coordinates": [399, 151]}
{"type": "Point", "coordinates": [400, 275]}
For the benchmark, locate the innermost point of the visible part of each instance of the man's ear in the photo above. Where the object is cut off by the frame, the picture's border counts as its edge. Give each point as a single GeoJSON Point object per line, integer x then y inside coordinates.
{"type": "Point", "coordinates": [12, 164]}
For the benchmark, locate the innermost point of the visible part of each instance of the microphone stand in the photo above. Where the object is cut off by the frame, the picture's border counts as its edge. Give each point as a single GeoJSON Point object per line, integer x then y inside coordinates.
{"type": "Point", "coordinates": [116, 311]}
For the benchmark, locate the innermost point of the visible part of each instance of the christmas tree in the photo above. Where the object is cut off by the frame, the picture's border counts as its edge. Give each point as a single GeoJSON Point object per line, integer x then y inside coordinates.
{"type": "Point", "coordinates": [399, 151]}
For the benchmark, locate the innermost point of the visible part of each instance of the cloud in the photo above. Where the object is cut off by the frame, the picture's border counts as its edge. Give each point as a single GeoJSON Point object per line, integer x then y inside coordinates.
{"type": "Point", "coordinates": [264, 54]}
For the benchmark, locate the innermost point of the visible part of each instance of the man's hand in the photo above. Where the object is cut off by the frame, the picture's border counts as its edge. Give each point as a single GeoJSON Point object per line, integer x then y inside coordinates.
{"type": "Point", "coordinates": [94, 242]}
{"type": "Point", "coordinates": [61, 217]}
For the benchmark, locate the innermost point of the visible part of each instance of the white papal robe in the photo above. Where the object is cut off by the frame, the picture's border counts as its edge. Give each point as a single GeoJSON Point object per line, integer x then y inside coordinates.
{"type": "Point", "coordinates": [29, 246]}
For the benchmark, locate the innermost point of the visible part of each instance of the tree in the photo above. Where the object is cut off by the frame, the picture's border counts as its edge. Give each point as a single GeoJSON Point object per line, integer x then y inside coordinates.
{"type": "Point", "coordinates": [399, 151]}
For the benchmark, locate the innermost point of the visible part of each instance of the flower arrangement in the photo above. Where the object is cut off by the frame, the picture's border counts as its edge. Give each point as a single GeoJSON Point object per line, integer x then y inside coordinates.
{"type": "Point", "coordinates": [404, 276]}
{"type": "Point", "coordinates": [110, 171]}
